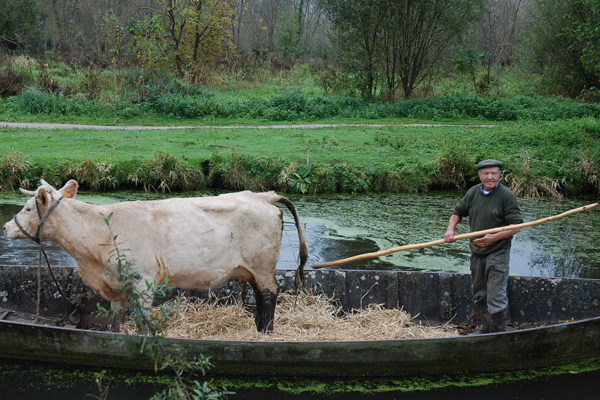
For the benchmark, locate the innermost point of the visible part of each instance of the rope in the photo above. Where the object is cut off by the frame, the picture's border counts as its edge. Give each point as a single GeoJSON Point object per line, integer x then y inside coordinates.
{"type": "Point", "coordinates": [73, 316]}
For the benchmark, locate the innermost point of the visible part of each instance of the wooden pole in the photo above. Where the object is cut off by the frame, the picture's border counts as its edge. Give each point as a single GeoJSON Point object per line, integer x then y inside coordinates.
{"type": "Point", "coordinates": [457, 237]}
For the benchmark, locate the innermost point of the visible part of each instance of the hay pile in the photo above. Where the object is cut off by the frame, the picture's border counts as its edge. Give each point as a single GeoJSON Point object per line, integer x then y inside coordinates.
{"type": "Point", "coordinates": [297, 318]}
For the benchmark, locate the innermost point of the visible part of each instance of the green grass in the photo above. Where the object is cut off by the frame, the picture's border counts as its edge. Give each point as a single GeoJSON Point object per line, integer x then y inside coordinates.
{"type": "Point", "coordinates": [359, 146]}
{"type": "Point", "coordinates": [542, 157]}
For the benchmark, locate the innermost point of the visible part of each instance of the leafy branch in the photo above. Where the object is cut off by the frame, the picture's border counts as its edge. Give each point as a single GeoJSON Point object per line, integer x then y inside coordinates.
{"type": "Point", "coordinates": [138, 299]}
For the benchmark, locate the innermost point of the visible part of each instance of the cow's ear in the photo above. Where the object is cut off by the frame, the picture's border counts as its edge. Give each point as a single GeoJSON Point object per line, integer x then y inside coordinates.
{"type": "Point", "coordinates": [70, 189]}
{"type": "Point", "coordinates": [43, 197]}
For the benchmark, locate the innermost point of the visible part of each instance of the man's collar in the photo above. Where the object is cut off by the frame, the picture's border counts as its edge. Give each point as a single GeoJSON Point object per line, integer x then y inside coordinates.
{"type": "Point", "coordinates": [489, 191]}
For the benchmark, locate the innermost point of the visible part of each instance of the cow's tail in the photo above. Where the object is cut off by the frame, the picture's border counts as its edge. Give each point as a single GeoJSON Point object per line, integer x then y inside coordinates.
{"type": "Point", "coordinates": [303, 250]}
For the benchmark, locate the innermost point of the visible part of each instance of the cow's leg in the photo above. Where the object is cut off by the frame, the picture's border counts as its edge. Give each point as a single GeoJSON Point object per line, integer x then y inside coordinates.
{"type": "Point", "coordinates": [266, 300]}
{"type": "Point", "coordinates": [270, 300]}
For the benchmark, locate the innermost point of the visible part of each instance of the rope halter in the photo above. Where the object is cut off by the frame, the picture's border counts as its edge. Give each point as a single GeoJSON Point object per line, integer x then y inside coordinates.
{"type": "Point", "coordinates": [36, 238]}
{"type": "Point", "coordinates": [73, 313]}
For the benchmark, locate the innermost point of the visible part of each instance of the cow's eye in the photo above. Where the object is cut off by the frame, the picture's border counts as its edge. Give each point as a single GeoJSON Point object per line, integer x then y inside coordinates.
{"type": "Point", "coordinates": [27, 209]}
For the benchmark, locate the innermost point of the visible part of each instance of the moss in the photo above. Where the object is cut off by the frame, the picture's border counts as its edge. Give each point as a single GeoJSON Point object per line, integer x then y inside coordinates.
{"type": "Point", "coordinates": [405, 385]}
{"type": "Point", "coordinates": [54, 377]}
{"type": "Point", "coordinates": [50, 376]}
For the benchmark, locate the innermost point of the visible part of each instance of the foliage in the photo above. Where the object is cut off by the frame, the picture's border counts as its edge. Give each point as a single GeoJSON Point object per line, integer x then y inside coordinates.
{"type": "Point", "coordinates": [541, 158]}
{"type": "Point", "coordinates": [395, 44]}
{"type": "Point", "coordinates": [586, 32]}
{"type": "Point", "coordinates": [138, 297]}
{"type": "Point", "coordinates": [239, 172]}
{"type": "Point", "coordinates": [13, 171]}
{"type": "Point", "coordinates": [96, 176]}
{"type": "Point", "coordinates": [20, 23]}
{"type": "Point", "coordinates": [562, 42]}
{"type": "Point", "coordinates": [297, 181]}
{"type": "Point", "coordinates": [522, 182]}
{"type": "Point", "coordinates": [183, 35]}
{"type": "Point", "coordinates": [34, 101]}
{"type": "Point", "coordinates": [12, 81]}
{"type": "Point", "coordinates": [151, 42]}
{"type": "Point", "coordinates": [166, 172]}
{"type": "Point", "coordinates": [467, 62]}
{"type": "Point", "coordinates": [147, 93]}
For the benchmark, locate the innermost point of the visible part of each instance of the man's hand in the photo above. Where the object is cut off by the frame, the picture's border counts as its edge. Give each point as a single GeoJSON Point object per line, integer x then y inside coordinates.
{"type": "Point", "coordinates": [485, 241]}
{"type": "Point", "coordinates": [490, 238]}
{"type": "Point", "coordinates": [449, 236]}
{"type": "Point", "coordinates": [450, 231]}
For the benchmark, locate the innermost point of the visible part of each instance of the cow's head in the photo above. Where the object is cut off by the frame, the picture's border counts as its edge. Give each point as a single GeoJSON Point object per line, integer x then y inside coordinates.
{"type": "Point", "coordinates": [38, 208]}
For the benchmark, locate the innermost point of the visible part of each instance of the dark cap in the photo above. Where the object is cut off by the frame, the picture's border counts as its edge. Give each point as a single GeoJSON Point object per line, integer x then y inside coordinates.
{"type": "Point", "coordinates": [489, 164]}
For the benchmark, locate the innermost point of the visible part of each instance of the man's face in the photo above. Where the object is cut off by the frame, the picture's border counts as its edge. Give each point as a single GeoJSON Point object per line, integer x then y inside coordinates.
{"type": "Point", "coordinates": [489, 177]}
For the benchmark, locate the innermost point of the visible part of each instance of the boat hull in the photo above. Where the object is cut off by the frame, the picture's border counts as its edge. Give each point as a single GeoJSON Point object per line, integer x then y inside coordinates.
{"type": "Point", "coordinates": [436, 297]}
{"type": "Point", "coordinates": [522, 349]}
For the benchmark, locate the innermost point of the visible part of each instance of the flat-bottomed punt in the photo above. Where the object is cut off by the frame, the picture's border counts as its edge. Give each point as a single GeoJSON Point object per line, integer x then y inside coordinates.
{"type": "Point", "coordinates": [560, 320]}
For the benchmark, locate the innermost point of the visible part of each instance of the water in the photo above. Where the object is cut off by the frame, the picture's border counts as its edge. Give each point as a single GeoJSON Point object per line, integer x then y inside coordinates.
{"type": "Point", "coordinates": [342, 226]}
{"type": "Point", "coordinates": [40, 383]}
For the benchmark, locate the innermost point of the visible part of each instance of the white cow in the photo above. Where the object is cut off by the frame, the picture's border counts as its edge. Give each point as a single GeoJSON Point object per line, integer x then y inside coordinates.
{"type": "Point", "coordinates": [197, 243]}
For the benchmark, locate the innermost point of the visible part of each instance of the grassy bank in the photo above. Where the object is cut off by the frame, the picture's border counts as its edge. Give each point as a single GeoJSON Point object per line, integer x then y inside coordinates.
{"type": "Point", "coordinates": [541, 158]}
{"type": "Point", "coordinates": [550, 145]}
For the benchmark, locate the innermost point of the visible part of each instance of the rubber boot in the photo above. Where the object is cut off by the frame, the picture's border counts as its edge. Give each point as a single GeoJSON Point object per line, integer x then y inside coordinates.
{"type": "Point", "coordinates": [486, 320]}
{"type": "Point", "coordinates": [498, 323]}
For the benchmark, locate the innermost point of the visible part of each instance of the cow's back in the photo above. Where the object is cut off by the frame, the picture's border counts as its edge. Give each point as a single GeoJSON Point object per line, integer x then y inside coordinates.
{"type": "Point", "coordinates": [198, 242]}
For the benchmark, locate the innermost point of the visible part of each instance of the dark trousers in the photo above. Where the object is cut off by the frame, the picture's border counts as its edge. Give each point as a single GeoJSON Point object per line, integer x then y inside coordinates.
{"type": "Point", "coordinates": [489, 278]}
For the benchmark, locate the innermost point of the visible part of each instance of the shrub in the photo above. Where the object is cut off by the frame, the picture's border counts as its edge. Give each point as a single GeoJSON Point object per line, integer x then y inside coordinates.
{"type": "Point", "coordinates": [454, 167]}
{"type": "Point", "coordinates": [96, 176]}
{"type": "Point", "coordinates": [166, 172]}
{"type": "Point", "coordinates": [59, 172]}
{"type": "Point", "coordinates": [12, 81]}
{"type": "Point", "coordinates": [13, 171]}
{"type": "Point", "coordinates": [240, 172]}
{"type": "Point", "coordinates": [524, 182]}
{"type": "Point", "coordinates": [338, 178]}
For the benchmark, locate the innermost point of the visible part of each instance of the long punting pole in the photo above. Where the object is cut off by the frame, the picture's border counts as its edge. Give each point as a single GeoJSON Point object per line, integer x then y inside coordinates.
{"type": "Point", "coordinates": [457, 237]}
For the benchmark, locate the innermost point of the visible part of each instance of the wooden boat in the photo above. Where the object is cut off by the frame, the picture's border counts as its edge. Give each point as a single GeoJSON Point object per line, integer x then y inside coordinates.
{"type": "Point", "coordinates": [561, 319]}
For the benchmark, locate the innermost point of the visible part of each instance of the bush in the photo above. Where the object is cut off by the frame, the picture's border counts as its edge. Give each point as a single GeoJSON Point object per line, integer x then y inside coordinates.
{"type": "Point", "coordinates": [13, 171]}
{"type": "Point", "coordinates": [12, 81]}
{"type": "Point", "coordinates": [166, 172]}
{"type": "Point", "coordinates": [240, 172]}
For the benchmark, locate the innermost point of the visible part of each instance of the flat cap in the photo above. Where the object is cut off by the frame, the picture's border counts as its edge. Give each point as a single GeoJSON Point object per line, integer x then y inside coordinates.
{"type": "Point", "coordinates": [489, 164]}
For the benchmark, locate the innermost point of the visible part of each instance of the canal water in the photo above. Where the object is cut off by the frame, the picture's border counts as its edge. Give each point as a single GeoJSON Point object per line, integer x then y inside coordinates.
{"type": "Point", "coordinates": [60, 384]}
{"type": "Point", "coordinates": [342, 226]}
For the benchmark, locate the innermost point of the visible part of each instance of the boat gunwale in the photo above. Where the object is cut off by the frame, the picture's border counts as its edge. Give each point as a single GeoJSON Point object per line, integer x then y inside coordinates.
{"type": "Point", "coordinates": [118, 335]}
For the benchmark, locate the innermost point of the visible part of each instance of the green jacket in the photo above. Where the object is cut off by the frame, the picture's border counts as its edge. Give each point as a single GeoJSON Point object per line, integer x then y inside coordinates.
{"type": "Point", "coordinates": [487, 211]}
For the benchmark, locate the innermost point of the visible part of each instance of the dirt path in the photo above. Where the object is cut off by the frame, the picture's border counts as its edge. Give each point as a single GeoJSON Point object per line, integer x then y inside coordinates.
{"type": "Point", "coordinates": [34, 125]}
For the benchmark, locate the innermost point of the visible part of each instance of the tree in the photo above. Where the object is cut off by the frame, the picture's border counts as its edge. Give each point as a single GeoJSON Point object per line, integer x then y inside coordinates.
{"type": "Point", "coordinates": [586, 33]}
{"type": "Point", "coordinates": [419, 31]}
{"type": "Point", "coordinates": [20, 26]}
{"type": "Point", "coordinates": [359, 25]}
{"type": "Point", "coordinates": [493, 36]}
{"type": "Point", "coordinates": [198, 32]}
{"type": "Point", "coordinates": [564, 43]}
{"type": "Point", "coordinates": [403, 40]}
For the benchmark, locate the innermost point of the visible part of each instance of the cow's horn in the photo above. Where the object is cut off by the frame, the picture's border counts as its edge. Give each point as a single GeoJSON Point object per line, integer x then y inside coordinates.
{"type": "Point", "coordinates": [27, 192]}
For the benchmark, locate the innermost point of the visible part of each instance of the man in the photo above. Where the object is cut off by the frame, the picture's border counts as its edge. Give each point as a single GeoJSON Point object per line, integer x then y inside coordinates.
{"type": "Point", "coordinates": [488, 205]}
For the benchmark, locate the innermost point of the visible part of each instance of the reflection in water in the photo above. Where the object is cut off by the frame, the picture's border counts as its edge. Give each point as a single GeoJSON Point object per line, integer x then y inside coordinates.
{"type": "Point", "coordinates": [342, 226]}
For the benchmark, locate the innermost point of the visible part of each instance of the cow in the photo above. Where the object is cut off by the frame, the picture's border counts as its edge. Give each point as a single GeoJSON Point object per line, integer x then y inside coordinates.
{"type": "Point", "coordinates": [197, 243]}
